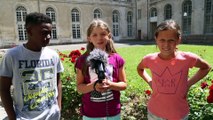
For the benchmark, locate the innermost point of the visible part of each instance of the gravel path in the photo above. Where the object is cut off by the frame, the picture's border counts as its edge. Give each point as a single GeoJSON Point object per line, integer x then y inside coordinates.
{"type": "Point", "coordinates": [2, 112]}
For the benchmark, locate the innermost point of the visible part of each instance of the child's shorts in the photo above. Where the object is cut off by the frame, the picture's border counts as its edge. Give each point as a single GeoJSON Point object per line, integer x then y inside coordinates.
{"type": "Point", "coordinates": [116, 117]}
{"type": "Point", "coordinates": [151, 116]}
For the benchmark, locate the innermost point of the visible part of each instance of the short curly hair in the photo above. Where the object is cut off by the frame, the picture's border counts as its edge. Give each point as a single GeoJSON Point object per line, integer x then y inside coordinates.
{"type": "Point", "coordinates": [36, 18]}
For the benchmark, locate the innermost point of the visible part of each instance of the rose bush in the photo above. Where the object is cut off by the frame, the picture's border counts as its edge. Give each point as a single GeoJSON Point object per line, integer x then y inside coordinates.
{"type": "Point", "coordinates": [71, 99]}
{"type": "Point", "coordinates": [200, 99]}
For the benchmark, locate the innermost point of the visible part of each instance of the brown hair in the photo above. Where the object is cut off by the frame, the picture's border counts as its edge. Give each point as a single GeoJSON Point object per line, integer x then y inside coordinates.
{"type": "Point", "coordinates": [168, 25]}
{"type": "Point", "coordinates": [109, 46]}
{"type": "Point", "coordinates": [100, 23]}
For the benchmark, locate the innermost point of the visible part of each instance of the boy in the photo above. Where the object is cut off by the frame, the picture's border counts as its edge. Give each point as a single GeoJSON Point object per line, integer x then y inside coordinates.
{"type": "Point", "coordinates": [34, 71]}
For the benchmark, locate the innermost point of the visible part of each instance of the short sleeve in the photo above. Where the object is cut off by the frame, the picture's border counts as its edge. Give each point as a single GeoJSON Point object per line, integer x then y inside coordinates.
{"type": "Point", "coordinates": [120, 61]}
{"type": "Point", "coordinates": [60, 67]}
{"type": "Point", "coordinates": [6, 68]}
{"type": "Point", "coordinates": [145, 61]}
{"type": "Point", "coordinates": [80, 61]}
{"type": "Point", "coordinates": [192, 59]}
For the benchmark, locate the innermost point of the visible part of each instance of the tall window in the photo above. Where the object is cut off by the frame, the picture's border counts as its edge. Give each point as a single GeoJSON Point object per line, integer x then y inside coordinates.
{"type": "Point", "coordinates": [97, 13]}
{"type": "Point", "coordinates": [167, 12]}
{"type": "Point", "coordinates": [115, 20]}
{"type": "Point", "coordinates": [76, 24]}
{"type": "Point", "coordinates": [129, 24]}
{"type": "Point", "coordinates": [186, 18]}
{"type": "Point", "coordinates": [21, 13]}
{"type": "Point", "coordinates": [139, 14]}
{"type": "Point", "coordinates": [153, 12]}
{"type": "Point", "coordinates": [51, 13]}
{"type": "Point", "coordinates": [208, 26]}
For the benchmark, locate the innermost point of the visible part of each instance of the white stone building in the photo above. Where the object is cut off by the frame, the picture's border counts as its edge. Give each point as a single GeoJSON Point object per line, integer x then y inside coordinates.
{"type": "Point", "coordinates": [194, 16]}
{"type": "Point", "coordinates": [128, 19]}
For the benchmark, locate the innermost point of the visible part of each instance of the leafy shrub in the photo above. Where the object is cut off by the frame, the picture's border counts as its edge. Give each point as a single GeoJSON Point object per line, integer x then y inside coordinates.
{"type": "Point", "coordinates": [71, 99]}
{"type": "Point", "coordinates": [200, 109]}
{"type": "Point", "coordinates": [136, 107]}
{"type": "Point", "coordinates": [134, 101]}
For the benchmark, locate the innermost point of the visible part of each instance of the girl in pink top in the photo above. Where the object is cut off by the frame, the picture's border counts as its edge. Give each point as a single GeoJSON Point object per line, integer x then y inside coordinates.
{"type": "Point", "coordinates": [107, 105]}
{"type": "Point", "coordinates": [169, 70]}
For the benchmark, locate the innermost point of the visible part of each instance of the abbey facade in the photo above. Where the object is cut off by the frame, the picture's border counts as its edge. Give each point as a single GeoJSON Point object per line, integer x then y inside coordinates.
{"type": "Point", "coordinates": [128, 19]}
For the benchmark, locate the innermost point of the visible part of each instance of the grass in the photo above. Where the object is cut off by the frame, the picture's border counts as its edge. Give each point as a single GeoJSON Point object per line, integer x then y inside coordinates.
{"type": "Point", "coordinates": [133, 56]}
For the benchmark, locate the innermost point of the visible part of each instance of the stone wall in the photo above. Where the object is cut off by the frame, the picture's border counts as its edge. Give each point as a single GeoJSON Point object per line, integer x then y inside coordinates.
{"type": "Point", "coordinates": [198, 39]}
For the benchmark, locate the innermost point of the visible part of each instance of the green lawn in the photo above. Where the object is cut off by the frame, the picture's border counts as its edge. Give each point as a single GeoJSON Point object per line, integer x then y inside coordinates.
{"type": "Point", "coordinates": [133, 56]}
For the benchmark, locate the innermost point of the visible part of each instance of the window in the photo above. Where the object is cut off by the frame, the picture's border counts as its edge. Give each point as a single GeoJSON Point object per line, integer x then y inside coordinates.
{"type": "Point", "coordinates": [21, 13]}
{"type": "Point", "coordinates": [167, 12]}
{"type": "Point", "coordinates": [54, 32]}
{"type": "Point", "coordinates": [129, 24]}
{"type": "Point", "coordinates": [97, 13]}
{"type": "Point", "coordinates": [139, 14]}
{"type": "Point", "coordinates": [51, 13]}
{"type": "Point", "coordinates": [153, 12]}
{"type": "Point", "coordinates": [208, 20]}
{"type": "Point", "coordinates": [115, 20]}
{"type": "Point", "coordinates": [186, 18]}
{"type": "Point", "coordinates": [76, 31]}
{"type": "Point", "coordinates": [75, 15]}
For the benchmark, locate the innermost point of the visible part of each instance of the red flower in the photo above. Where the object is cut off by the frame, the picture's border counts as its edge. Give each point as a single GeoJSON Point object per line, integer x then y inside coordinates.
{"type": "Point", "coordinates": [211, 87]}
{"type": "Point", "coordinates": [210, 92]}
{"type": "Point", "coordinates": [203, 85]}
{"type": "Point", "coordinates": [82, 48]}
{"type": "Point", "coordinates": [75, 53]}
{"type": "Point", "coordinates": [148, 92]}
{"type": "Point", "coordinates": [210, 99]}
{"type": "Point", "coordinates": [62, 59]}
{"type": "Point", "coordinates": [73, 60]}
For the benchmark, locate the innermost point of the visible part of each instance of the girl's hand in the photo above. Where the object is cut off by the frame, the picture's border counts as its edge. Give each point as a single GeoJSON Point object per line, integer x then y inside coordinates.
{"type": "Point", "coordinates": [102, 87]}
{"type": "Point", "coordinates": [107, 83]}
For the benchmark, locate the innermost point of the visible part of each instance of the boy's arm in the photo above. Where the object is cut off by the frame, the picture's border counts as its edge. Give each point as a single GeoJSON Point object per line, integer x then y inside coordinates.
{"type": "Point", "coordinates": [5, 84]}
{"type": "Point", "coordinates": [59, 86]}
{"type": "Point", "coordinates": [144, 74]}
{"type": "Point", "coordinates": [204, 68]}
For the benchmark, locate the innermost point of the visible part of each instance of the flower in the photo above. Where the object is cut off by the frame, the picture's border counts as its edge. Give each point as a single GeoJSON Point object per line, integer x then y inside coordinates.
{"type": "Point", "coordinates": [148, 92]}
{"type": "Point", "coordinates": [82, 48]}
{"type": "Point", "coordinates": [211, 87]}
{"type": "Point", "coordinates": [210, 99]}
{"type": "Point", "coordinates": [62, 59]}
{"type": "Point", "coordinates": [75, 53]}
{"type": "Point", "coordinates": [203, 85]}
{"type": "Point", "coordinates": [73, 59]}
